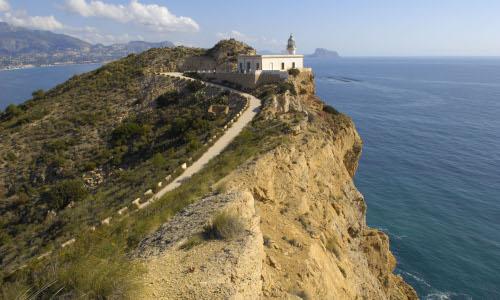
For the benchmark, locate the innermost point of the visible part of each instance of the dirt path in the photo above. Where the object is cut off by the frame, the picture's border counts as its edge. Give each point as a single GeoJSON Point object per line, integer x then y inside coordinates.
{"type": "Point", "coordinates": [221, 143]}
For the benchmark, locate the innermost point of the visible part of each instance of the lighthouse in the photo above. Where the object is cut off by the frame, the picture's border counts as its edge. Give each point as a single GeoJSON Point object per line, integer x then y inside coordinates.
{"type": "Point", "coordinates": [273, 62]}
{"type": "Point", "coordinates": [291, 48]}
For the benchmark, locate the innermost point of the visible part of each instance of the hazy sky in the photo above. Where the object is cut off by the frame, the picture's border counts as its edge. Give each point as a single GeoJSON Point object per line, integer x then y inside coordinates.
{"type": "Point", "coordinates": [352, 27]}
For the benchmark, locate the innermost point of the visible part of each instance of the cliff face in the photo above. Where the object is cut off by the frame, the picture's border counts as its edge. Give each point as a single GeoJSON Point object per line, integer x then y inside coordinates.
{"type": "Point", "coordinates": [306, 228]}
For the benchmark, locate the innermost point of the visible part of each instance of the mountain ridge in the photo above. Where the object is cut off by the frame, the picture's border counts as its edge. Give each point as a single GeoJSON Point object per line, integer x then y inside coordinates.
{"type": "Point", "coordinates": [20, 47]}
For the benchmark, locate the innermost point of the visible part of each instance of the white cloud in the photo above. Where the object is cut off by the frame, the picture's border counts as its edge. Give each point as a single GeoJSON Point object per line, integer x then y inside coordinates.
{"type": "Point", "coordinates": [4, 5]}
{"type": "Point", "coordinates": [22, 19]}
{"type": "Point", "coordinates": [152, 16]}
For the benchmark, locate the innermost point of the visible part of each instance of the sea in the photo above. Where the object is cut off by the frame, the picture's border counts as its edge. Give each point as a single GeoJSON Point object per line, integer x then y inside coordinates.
{"type": "Point", "coordinates": [17, 85]}
{"type": "Point", "coordinates": [430, 168]}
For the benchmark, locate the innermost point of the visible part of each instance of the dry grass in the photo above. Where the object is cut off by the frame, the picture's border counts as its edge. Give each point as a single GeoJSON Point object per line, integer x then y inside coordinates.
{"type": "Point", "coordinates": [225, 226]}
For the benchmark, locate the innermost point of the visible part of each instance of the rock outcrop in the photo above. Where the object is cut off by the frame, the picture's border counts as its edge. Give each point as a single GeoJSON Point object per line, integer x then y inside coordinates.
{"type": "Point", "coordinates": [312, 240]}
{"type": "Point", "coordinates": [214, 269]}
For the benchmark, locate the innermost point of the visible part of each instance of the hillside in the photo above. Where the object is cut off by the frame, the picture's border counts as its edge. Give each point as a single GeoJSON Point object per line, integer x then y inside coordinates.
{"type": "Point", "coordinates": [110, 133]}
{"type": "Point", "coordinates": [20, 46]}
{"type": "Point", "coordinates": [275, 215]}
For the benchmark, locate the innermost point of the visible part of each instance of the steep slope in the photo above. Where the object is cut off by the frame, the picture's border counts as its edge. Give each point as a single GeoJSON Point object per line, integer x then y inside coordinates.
{"type": "Point", "coordinates": [90, 146]}
{"type": "Point", "coordinates": [312, 219]}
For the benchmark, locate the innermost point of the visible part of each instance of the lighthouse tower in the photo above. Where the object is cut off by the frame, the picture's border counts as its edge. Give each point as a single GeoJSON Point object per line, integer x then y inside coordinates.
{"type": "Point", "coordinates": [291, 48]}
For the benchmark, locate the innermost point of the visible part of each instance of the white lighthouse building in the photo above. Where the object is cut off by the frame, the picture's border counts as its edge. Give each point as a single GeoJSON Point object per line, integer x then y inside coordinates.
{"type": "Point", "coordinates": [272, 63]}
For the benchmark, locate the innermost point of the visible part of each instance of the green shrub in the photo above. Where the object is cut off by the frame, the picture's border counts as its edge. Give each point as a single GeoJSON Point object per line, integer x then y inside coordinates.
{"type": "Point", "coordinates": [167, 99]}
{"type": "Point", "coordinates": [329, 109]}
{"type": "Point", "coordinates": [159, 161]}
{"type": "Point", "coordinates": [194, 86]}
{"type": "Point", "coordinates": [194, 75]}
{"type": "Point", "coordinates": [13, 111]}
{"type": "Point", "coordinates": [286, 86]}
{"type": "Point", "coordinates": [224, 226]}
{"type": "Point", "coordinates": [128, 133]}
{"type": "Point", "coordinates": [294, 72]}
{"type": "Point", "coordinates": [64, 192]}
{"type": "Point", "coordinates": [38, 94]}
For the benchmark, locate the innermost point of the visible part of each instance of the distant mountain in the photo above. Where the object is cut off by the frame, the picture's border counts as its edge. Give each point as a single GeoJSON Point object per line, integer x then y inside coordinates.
{"type": "Point", "coordinates": [18, 40]}
{"type": "Point", "coordinates": [323, 53]}
{"type": "Point", "coordinates": [21, 47]}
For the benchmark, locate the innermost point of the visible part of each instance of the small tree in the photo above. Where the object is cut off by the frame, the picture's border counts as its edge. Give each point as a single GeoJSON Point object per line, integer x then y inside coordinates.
{"type": "Point", "coordinates": [159, 161]}
{"type": "Point", "coordinates": [65, 192]}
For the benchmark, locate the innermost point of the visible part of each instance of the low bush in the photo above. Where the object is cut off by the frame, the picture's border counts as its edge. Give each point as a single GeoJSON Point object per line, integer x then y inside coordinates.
{"type": "Point", "coordinates": [38, 94]}
{"type": "Point", "coordinates": [225, 226]}
{"type": "Point", "coordinates": [167, 99]}
{"type": "Point", "coordinates": [159, 161]}
{"type": "Point", "coordinates": [329, 109]}
{"type": "Point", "coordinates": [129, 132]}
{"type": "Point", "coordinates": [194, 75]}
{"type": "Point", "coordinates": [193, 241]}
{"type": "Point", "coordinates": [194, 86]}
{"type": "Point", "coordinates": [294, 72]}
{"type": "Point", "coordinates": [65, 192]}
{"type": "Point", "coordinates": [13, 111]}
{"type": "Point", "coordinates": [286, 86]}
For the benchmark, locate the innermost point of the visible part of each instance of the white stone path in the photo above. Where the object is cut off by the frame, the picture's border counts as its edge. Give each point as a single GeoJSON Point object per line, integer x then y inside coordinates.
{"type": "Point", "coordinates": [227, 137]}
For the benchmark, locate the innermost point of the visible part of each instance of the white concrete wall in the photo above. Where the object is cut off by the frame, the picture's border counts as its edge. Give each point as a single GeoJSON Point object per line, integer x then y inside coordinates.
{"type": "Point", "coordinates": [270, 62]}
{"type": "Point", "coordinates": [275, 62]}
{"type": "Point", "coordinates": [252, 60]}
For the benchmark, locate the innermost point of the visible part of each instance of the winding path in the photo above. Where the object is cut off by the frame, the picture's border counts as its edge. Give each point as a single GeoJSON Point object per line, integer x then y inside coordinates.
{"type": "Point", "coordinates": [219, 145]}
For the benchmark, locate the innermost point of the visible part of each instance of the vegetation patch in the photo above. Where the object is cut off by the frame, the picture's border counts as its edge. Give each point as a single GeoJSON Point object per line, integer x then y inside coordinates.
{"type": "Point", "coordinates": [332, 245]}
{"type": "Point", "coordinates": [224, 226]}
{"type": "Point", "coordinates": [80, 269]}
{"type": "Point", "coordinates": [294, 72]}
{"type": "Point", "coordinates": [192, 242]}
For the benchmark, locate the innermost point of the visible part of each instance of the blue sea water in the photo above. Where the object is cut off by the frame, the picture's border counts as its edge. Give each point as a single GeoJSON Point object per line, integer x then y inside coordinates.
{"type": "Point", "coordinates": [430, 169]}
{"type": "Point", "coordinates": [16, 86]}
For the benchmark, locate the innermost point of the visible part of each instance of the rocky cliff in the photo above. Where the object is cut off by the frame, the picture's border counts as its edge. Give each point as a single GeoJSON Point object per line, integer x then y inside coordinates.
{"type": "Point", "coordinates": [305, 222]}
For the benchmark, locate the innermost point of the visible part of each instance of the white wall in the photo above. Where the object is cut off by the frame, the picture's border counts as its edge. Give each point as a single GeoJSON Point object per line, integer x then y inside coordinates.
{"type": "Point", "coordinates": [275, 63]}
{"type": "Point", "coordinates": [253, 60]}
{"type": "Point", "coordinates": [270, 62]}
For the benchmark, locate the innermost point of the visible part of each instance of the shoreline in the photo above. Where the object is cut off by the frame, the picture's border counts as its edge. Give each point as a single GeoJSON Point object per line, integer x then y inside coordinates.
{"type": "Point", "coordinates": [24, 67]}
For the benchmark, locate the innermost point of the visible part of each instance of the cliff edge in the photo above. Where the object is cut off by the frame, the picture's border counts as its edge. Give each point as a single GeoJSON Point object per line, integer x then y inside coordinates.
{"type": "Point", "coordinates": [304, 226]}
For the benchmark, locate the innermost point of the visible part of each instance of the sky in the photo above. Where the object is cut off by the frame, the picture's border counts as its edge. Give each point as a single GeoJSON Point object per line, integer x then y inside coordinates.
{"type": "Point", "coordinates": [351, 27]}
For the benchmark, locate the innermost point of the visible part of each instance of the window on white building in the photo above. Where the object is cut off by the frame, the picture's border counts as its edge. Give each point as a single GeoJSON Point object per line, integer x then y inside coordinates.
{"type": "Point", "coordinates": [293, 65]}
{"type": "Point", "coordinates": [282, 66]}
